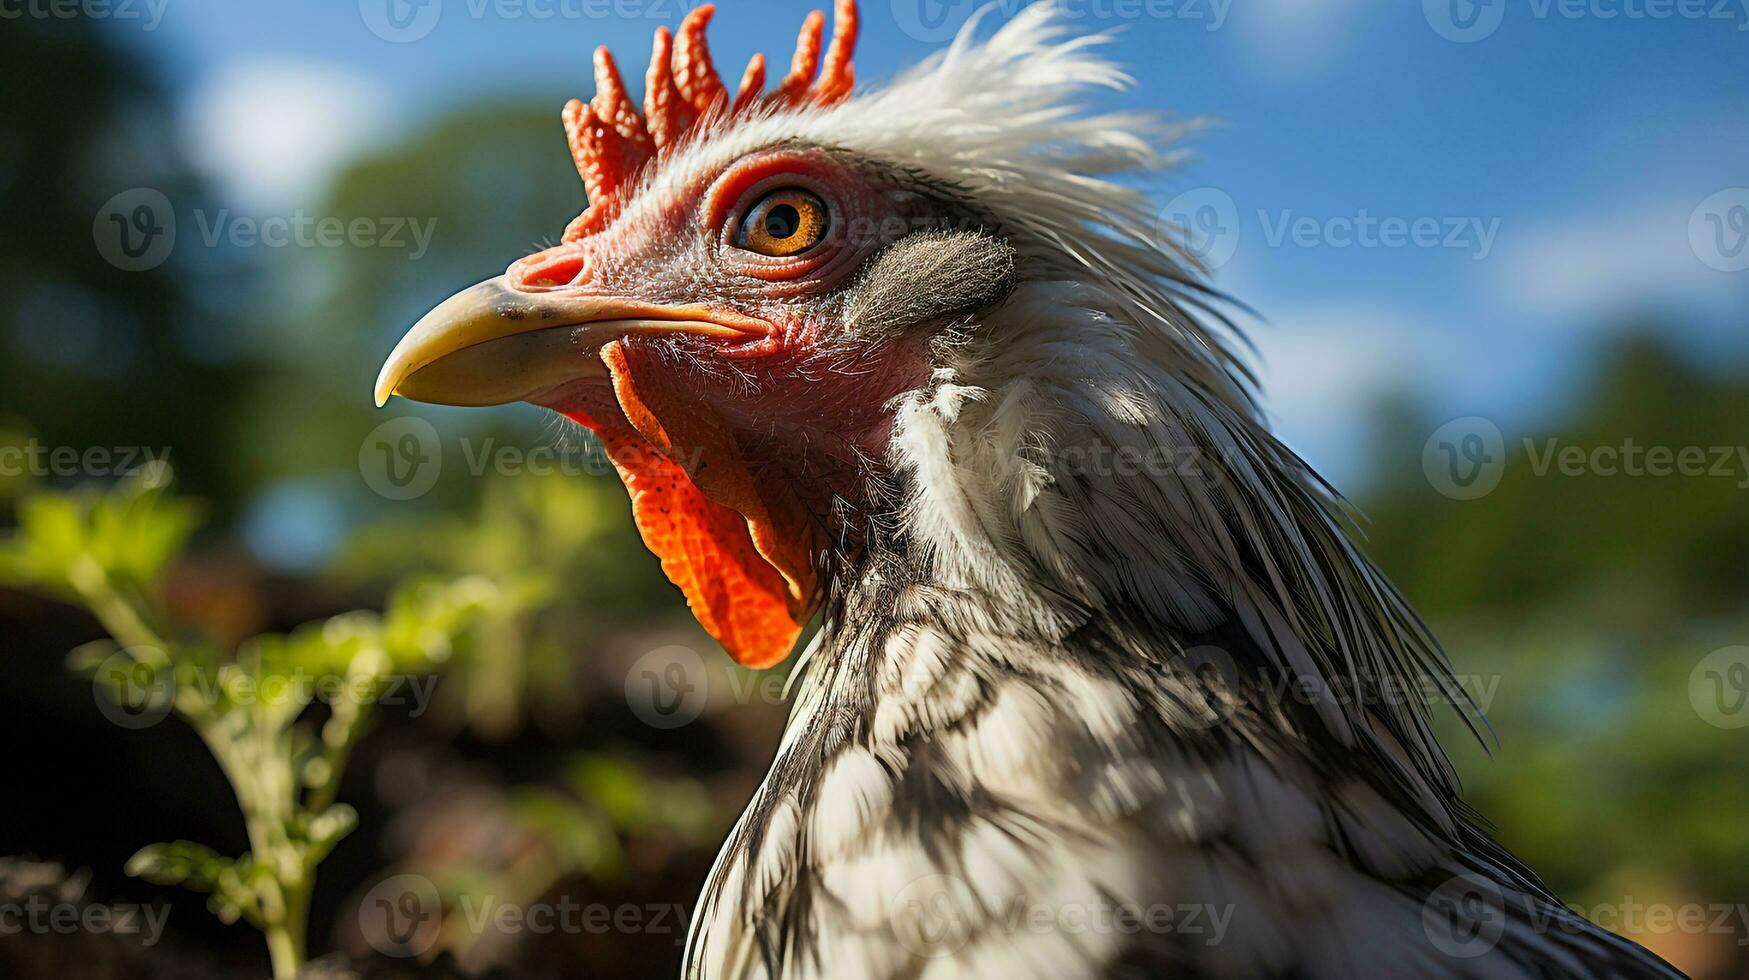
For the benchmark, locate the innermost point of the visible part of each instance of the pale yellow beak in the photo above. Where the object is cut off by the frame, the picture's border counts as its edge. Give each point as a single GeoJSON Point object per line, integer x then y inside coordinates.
{"type": "Point", "coordinates": [490, 343]}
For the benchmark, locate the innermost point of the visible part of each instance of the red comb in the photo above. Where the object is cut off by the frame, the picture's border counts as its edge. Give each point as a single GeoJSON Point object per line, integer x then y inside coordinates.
{"type": "Point", "coordinates": [612, 143]}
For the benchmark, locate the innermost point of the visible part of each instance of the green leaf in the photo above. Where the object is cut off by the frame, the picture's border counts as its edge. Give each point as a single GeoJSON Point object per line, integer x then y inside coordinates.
{"type": "Point", "coordinates": [50, 537]}
{"type": "Point", "coordinates": [616, 786]}
{"type": "Point", "coordinates": [139, 528]}
{"type": "Point", "coordinates": [193, 866]}
{"type": "Point", "coordinates": [327, 828]}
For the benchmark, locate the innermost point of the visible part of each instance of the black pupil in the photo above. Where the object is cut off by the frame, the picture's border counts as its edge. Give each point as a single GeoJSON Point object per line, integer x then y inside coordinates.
{"type": "Point", "coordinates": [782, 221]}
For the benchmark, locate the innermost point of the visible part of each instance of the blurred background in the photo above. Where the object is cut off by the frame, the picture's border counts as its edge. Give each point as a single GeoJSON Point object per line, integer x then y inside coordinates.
{"type": "Point", "coordinates": [1495, 262]}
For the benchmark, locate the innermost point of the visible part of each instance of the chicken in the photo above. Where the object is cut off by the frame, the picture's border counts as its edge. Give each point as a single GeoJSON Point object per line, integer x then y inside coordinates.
{"type": "Point", "coordinates": [1101, 686]}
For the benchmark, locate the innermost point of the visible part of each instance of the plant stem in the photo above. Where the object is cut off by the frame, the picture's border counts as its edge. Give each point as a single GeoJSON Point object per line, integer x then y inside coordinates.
{"type": "Point", "coordinates": [285, 949]}
{"type": "Point", "coordinates": [113, 611]}
{"type": "Point", "coordinates": [266, 798]}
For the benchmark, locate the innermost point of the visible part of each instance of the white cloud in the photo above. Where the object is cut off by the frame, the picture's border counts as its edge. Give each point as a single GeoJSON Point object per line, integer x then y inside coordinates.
{"type": "Point", "coordinates": [1584, 270]}
{"type": "Point", "coordinates": [1324, 371]}
{"type": "Point", "coordinates": [1295, 37]}
{"type": "Point", "coordinates": [273, 131]}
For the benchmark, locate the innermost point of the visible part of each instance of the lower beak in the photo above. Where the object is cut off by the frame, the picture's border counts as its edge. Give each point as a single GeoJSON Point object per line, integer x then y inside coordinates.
{"type": "Point", "coordinates": [491, 343]}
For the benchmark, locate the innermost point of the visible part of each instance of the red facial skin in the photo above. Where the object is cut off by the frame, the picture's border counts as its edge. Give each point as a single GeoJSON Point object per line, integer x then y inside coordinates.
{"type": "Point", "coordinates": [749, 458]}
{"type": "Point", "coordinates": [680, 248]}
{"type": "Point", "coordinates": [807, 399]}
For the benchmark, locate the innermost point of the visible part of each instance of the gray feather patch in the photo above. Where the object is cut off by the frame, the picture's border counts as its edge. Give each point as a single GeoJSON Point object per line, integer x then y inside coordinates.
{"type": "Point", "coordinates": [929, 275]}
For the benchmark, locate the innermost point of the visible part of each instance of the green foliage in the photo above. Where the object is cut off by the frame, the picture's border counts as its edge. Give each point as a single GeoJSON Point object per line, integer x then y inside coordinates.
{"type": "Point", "coordinates": [1677, 542]}
{"type": "Point", "coordinates": [95, 355]}
{"type": "Point", "coordinates": [580, 821]}
{"type": "Point", "coordinates": [1580, 603]}
{"type": "Point", "coordinates": [108, 551]}
{"type": "Point", "coordinates": [569, 564]}
{"type": "Point", "coordinates": [65, 542]}
{"type": "Point", "coordinates": [489, 180]}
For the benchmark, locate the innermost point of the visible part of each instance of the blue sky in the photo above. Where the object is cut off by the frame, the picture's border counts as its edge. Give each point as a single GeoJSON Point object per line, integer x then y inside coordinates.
{"type": "Point", "coordinates": [1566, 161]}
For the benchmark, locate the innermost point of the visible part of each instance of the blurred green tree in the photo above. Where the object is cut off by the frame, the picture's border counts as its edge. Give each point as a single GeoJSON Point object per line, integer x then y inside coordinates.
{"type": "Point", "coordinates": [91, 354]}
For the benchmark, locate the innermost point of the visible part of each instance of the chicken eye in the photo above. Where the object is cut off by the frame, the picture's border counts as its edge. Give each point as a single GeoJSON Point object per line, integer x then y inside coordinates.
{"type": "Point", "coordinates": [785, 222]}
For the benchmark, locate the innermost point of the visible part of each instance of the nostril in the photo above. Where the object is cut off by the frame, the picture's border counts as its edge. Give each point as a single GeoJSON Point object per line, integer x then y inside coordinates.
{"type": "Point", "coordinates": [547, 270]}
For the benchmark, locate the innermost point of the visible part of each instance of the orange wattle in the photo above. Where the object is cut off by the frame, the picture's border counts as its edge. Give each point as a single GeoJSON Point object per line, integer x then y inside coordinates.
{"type": "Point", "coordinates": [739, 551]}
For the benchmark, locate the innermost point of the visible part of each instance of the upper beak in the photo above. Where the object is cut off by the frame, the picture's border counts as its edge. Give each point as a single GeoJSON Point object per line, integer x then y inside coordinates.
{"type": "Point", "coordinates": [490, 343]}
